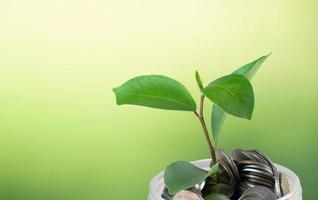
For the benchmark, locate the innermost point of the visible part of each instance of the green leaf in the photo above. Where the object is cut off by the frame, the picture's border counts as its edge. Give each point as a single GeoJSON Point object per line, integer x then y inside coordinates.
{"type": "Point", "coordinates": [182, 175]}
{"type": "Point", "coordinates": [233, 93]}
{"type": "Point", "coordinates": [217, 120]}
{"type": "Point", "coordinates": [155, 91]}
{"type": "Point", "coordinates": [216, 197]}
{"type": "Point", "coordinates": [199, 80]}
{"type": "Point", "coordinates": [251, 68]}
{"type": "Point", "coordinates": [214, 169]}
{"type": "Point", "coordinates": [218, 115]}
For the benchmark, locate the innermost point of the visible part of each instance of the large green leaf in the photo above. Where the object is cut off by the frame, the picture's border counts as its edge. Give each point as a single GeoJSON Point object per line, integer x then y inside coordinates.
{"type": "Point", "coordinates": [182, 175]}
{"type": "Point", "coordinates": [155, 91]}
{"type": "Point", "coordinates": [218, 115]}
{"type": "Point", "coordinates": [233, 93]}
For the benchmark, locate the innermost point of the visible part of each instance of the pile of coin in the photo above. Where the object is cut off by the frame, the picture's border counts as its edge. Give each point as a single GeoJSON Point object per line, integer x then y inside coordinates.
{"type": "Point", "coordinates": [248, 174]}
{"type": "Point", "coordinates": [256, 169]}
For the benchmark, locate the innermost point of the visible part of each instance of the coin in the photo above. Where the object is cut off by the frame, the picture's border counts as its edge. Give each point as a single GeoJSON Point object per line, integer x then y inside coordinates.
{"type": "Point", "coordinates": [259, 157]}
{"type": "Point", "coordinates": [284, 184]}
{"type": "Point", "coordinates": [257, 178]}
{"type": "Point", "coordinates": [277, 188]}
{"type": "Point", "coordinates": [253, 162]}
{"type": "Point", "coordinates": [247, 184]}
{"type": "Point", "coordinates": [224, 189]}
{"type": "Point", "coordinates": [255, 169]}
{"type": "Point", "coordinates": [227, 170]}
{"type": "Point", "coordinates": [239, 155]}
{"type": "Point", "coordinates": [217, 196]}
{"type": "Point", "coordinates": [187, 195]}
{"type": "Point", "coordinates": [165, 194]}
{"type": "Point", "coordinates": [258, 193]}
{"type": "Point", "coordinates": [258, 182]}
{"type": "Point", "coordinates": [222, 176]}
{"type": "Point", "coordinates": [257, 172]}
{"type": "Point", "coordinates": [259, 168]}
{"type": "Point", "coordinates": [252, 155]}
{"type": "Point", "coordinates": [270, 163]}
{"type": "Point", "coordinates": [199, 187]}
{"type": "Point", "coordinates": [221, 155]}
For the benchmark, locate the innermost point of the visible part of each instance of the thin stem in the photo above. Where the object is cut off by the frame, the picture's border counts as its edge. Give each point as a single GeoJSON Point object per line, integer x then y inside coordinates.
{"type": "Point", "coordinates": [205, 130]}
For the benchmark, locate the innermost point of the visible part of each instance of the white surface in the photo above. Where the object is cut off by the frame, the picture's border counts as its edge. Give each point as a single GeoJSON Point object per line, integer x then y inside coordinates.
{"type": "Point", "coordinates": [157, 183]}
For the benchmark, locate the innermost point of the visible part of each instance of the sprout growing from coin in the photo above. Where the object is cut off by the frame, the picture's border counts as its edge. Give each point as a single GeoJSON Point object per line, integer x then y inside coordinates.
{"type": "Point", "coordinates": [231, 95]}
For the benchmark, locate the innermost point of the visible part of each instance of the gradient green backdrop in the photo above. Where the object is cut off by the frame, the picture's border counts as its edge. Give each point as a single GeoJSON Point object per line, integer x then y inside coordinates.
{"type": "Point", "coordinates": [62, 137]}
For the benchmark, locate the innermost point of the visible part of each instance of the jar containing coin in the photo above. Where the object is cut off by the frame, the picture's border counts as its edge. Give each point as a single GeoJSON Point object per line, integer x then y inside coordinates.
{"type": "Point", "coordinates": [289, 183]}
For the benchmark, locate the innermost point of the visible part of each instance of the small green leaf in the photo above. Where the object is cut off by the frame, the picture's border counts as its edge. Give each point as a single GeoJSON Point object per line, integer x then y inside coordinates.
{"type": "Point", "coordinates": [233, 93]}
{"type": "Point", "coordinates": [218, 115]}
{"type": "Point", "coordinates": [199, 80]}
{"type": "Point", "coordinates": [214, 169]}
{"type": "Point", "coordinates": [216, 197]}
{"type": "Point", "coordinates": [155, 91]}
{"type": "Point", "coordinates": [182, 175]}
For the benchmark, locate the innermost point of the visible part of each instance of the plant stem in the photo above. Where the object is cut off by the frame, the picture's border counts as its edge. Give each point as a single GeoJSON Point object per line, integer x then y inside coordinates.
{"type": "Point", "coordinates": [205, 130]}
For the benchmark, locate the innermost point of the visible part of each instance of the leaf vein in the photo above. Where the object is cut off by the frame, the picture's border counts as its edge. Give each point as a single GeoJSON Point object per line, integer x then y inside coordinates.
{"type": "Point", "coordinates": [233, 94]}
{"type": "Point", "coordinates": [157, 97]}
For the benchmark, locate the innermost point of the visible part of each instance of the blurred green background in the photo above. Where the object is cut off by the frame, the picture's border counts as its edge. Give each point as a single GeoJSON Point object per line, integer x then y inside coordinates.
{"type": "Point", "coordinates": [62, 135]}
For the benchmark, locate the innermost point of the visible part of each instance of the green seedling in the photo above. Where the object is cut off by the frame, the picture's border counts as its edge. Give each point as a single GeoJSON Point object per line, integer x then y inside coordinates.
{"type": "Point", "coordinates": [231, 95]}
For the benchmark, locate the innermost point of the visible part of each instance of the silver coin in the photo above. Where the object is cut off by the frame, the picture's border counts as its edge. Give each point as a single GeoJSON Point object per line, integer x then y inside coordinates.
{"type": "Point", "coordinates": [259, 174]}
{"type": "Point", "coordinates": [258, 180]}
{"type": "Point", "coordinates": [187, 195]}
{"type": "Point", "coordinates": [220, 154]}
{"type": "Point", "coordinates": [228, 171]}
{"type": "Point", "coordinates": [253, 177]}
{"type": "Point", "coordinates": [239, 155]}
{"type": "Point", "coordinates": [284, 184]}
{"type": "Point", "coordinates": [252, 155]}
{"type": "Point", "coordinates": [247, 184]}
{"type": "Point", "coordinates": [277, 188]}
{"type": "Point", "coordinates": [222, 176]}
{"type": "Point", "coordinates": [270, 163]}
{"type": "Point", "coordinates": [260, 168]}
{"type": "Point", "coordinates": [258, 192]}
{"type": "Point", "coordinates": [261, 183]}
{"type": "Point", "coordinates": [253, 162]}
{"type": "Point", "coordinates": [199, 187]}
{"type": "Point", "coordinates": [241, 188]}
{"type": "Point", "coordinates": [259, 157]}
{"type": "Point", "coordinates": [257, 171]}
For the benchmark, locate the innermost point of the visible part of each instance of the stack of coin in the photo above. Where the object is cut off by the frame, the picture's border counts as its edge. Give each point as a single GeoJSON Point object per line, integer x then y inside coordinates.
{"type": "Point", "coordinates": [228, 165]}
{"type": "Point", "coordinates": [256, 169]}
{"type": "Point", "coordinates": [258, 193]}
{"type": "Point", "coordinates": [226, 179]}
